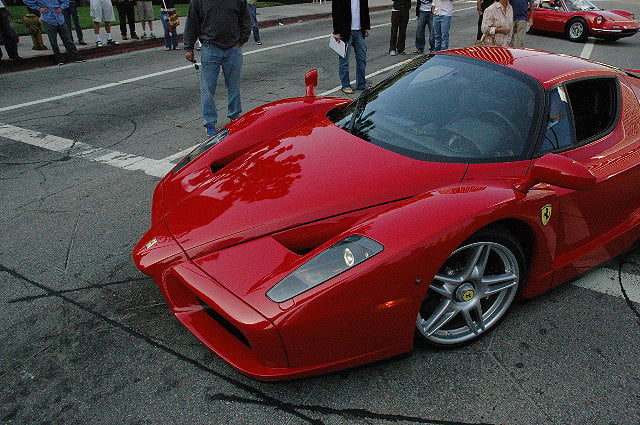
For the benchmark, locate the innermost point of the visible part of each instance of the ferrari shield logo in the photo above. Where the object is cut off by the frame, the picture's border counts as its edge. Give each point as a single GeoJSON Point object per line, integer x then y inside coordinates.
{"type": "Point", "coordinates": [545, 214]}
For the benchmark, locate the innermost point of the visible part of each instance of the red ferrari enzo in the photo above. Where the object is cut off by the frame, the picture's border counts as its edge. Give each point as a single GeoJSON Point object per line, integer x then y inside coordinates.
{"type": "Point", "coordinates": [319, 233]}
{"type": "Point", "coordinates": [578, 19]}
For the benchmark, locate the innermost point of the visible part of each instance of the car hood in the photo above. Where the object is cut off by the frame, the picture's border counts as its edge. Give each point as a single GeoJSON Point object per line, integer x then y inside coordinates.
{"type": "Point", "coordinates": [308, 174]}
{"type": "Point", "coordinates": [614, 17]}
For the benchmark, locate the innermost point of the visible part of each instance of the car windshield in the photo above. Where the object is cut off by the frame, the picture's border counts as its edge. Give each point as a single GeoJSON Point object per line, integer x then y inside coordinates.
{"type": "Point", "coordinates": [575, 5]}
{"type": "Point", "coordinates": [448, 108]}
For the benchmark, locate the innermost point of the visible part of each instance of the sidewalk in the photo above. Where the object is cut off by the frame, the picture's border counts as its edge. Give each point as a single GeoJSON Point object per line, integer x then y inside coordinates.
{"type": "Point", "coordinates": [267, 17]}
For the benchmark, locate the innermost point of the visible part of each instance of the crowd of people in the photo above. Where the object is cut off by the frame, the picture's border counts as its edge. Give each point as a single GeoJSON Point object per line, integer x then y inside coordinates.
{"type": "Point", "coordinates": [221, 27]}
{"type": "Point", "coordinates": [57, 17]}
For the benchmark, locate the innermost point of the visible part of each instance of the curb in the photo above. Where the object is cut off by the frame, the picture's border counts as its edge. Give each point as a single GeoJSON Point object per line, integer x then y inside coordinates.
{"type": "Point", "coordinates": [41, 61]}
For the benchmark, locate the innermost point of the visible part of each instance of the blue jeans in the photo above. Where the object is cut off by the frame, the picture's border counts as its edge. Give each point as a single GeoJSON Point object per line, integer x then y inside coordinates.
{"type": "Point", "coordinates": [212, 59]}
{"type": "Point", "coordinates": [424, 20]}
{"type": "Point", "coordinates": [69, 13]}
{"type": "Point", "coordinates": [254, 22]}
{"type": "Point", "coordinates": [441, 26]}
{"type": "Point", "coordinates": [170, 33]}
{"type": "Point", "coordinates": [360, 50]}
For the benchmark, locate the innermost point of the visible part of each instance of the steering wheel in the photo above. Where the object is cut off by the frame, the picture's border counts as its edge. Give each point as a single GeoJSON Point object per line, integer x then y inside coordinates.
{"type": "Point", "coordinates": [515, 134]}
{"type": "Point", "coordinates": [461, 145]}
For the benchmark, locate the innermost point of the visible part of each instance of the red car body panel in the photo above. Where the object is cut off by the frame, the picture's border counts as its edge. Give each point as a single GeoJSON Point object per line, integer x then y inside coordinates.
{"type": "Point", "coordinates": [600, 23]}
{"type": "Point", "coordinates": [239, 218]}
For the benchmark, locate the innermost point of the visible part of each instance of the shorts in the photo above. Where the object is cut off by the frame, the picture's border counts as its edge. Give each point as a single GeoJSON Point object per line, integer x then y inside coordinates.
{"type": "Point", "coordinates": [102, 10]}
{"type": "Point", "coordinates": [145, 10]}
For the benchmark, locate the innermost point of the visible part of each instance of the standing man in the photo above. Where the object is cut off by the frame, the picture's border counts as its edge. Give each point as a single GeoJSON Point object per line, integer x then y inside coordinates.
{"type": "Point", "coordinates": [351, 24]}
{"type": "Point", "coordinates": [222, 26]}
{"type": "Point", "coordinates": [7, 33]}
{"type": "Point", "coordinates": [102, 10]}
{"type": "Point", "coordinates": [399, 20]}
{"type": "Point", "coordinates": [481, 6]}
{"type": "Point", "coordinates": [126, 13]}
{"type": "Point", "coordinates": [425, 19]}
{"type": "Point", "coordinates": [54, 23]}
{"type": "Point", "coordinates": [72, 13]}
{"type": "Point", "coordinates": [442, 14]}
{"type": "Point", "coordinates": [520, 21]}
{"type": "Point", "coordinates": [145, 13]}
{"type": "Point", "coordinates": [253, 13]}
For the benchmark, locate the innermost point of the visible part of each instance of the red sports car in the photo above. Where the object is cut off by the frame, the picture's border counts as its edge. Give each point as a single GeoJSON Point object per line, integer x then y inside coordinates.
{"type": "Point", "coordinates": [314, 234]}
{"type": "Point", "coordinates": [579, 19]}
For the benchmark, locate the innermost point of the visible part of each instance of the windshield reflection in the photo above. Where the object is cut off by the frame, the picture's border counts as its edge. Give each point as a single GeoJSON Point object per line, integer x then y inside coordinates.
{"type": "Point", "coordinates": [575, 5]}
{"type": "Point", "coordinates": [448, 108]}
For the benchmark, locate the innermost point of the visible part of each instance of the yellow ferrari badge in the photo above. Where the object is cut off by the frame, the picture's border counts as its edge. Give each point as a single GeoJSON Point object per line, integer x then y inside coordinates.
{"type": "Point", "coordinates": [545, 214]}
{"type": "Point", "coordinates": [468, 295]}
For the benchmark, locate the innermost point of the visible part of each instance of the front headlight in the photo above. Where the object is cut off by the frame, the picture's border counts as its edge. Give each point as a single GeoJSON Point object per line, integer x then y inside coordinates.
{"type": "Point", "coordinates": [202, 148]}
{"type": "Point", "coordinates": [334, 260]}
{"type": "Point", "coordinates": [599, 20]}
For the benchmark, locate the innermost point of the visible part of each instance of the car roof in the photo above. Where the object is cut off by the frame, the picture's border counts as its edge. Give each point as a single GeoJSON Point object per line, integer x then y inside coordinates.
{"type": "Point", "coordinates": [546, 67]}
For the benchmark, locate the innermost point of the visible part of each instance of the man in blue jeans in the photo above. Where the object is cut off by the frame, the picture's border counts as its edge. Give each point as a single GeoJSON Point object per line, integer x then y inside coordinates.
{"type": "Point", "coordinates": [351, 24]}
{"type": "Point", "coordinates": [442, 14]}
{"type": "Point", "coordinates": [222, 26]}
{"type": "Point", "coordinates": [423, 12]}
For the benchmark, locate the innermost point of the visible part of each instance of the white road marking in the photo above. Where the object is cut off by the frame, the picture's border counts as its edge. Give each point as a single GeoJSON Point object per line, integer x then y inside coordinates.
{"type": "Point", "coordinates": [606, 281]}
{"type": "Point", "coordinates": [587, 49]}
{"type": "Point", "coordinates": [168, 71]}
{"type": "Point", "coordinates": [125, 161]}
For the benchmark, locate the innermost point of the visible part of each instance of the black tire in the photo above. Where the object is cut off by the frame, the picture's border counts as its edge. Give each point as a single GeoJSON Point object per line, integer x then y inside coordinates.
{"type": "Point", "coordinates": [577, 30]}
{"type": "Point", "coordinates": [473, 290]}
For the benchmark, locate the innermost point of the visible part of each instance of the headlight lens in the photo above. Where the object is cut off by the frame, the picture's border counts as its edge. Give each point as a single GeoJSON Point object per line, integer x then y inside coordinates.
{"type": "Point", "coordinates": [202, 148]}
{"type": "Point", "coordinates": [334, 260]}
{"type": "Point", "coordinates": [599, 20]}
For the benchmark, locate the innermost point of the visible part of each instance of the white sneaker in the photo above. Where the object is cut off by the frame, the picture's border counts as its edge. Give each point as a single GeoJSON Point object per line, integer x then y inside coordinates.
{"type": "Point", "coordinates": [392, 52]}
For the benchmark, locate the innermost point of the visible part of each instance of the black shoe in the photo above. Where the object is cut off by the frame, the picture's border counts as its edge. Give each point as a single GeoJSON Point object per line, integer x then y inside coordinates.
{"type": "Point", "coordinates": [112, 42]}
{"type": "Point", "coordinates": [134, 36]}
{"type": "Point", "coordinates": [82, 42]}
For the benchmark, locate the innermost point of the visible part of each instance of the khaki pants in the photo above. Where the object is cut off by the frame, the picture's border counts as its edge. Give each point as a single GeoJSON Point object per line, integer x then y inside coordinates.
{"type": "Point", "coordinates": [519, 30]}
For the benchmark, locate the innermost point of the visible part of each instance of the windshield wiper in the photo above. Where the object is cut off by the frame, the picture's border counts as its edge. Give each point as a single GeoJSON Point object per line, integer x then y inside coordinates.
{"type": "Point", "coordinates": [358, 108]}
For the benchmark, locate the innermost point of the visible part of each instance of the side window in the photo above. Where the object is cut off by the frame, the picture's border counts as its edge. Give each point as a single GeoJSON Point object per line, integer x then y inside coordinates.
{"type": "Point", "coordinates": [560, 133]}
{"type": "Point", "coordinates": [594, 105]}
{"type": "Point", "coordinates": [578, 112]}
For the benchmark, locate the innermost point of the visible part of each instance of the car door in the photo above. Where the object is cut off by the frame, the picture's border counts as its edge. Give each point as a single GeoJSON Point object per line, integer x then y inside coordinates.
{"type": "Point", "coordinates": [550, 16]}
{"type": "Point", "coordinates": [585, 122]}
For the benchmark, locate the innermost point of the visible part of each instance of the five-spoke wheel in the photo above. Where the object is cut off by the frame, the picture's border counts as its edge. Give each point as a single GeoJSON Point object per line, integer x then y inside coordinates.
{"type": "Point", "coordinates": [473, 290]}
{"type": "Point", "coordinates": [577, 30]}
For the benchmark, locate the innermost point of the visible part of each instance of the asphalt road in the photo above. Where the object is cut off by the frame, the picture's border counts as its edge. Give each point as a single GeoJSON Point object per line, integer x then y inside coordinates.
{"type": "Point", "coordinates": [86, 338]}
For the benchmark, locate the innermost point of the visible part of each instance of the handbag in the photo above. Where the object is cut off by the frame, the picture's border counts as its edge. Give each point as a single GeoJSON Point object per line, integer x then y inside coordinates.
{"type": "Point", "coordinates": [173, 18]}
{"type": "Point", "coordinates": [487, 40]}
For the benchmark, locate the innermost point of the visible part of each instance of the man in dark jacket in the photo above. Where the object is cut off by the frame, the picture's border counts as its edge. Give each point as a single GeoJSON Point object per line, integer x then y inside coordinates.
{"type": "Point", "coordinates": [351, 24]}
{"type": "Point", "coordinates": [222, 26]}
{"type": "Point", "coordinates": [399, 20]}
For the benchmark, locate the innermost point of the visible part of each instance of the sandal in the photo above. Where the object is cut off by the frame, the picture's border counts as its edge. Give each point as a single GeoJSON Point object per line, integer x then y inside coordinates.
{"type": "Point", "coordinates": [347, 90]}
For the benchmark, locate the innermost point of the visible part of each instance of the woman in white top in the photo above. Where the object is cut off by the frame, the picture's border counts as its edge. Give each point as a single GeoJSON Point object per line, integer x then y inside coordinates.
{"type": "Point", "coordinates": [497, 21]}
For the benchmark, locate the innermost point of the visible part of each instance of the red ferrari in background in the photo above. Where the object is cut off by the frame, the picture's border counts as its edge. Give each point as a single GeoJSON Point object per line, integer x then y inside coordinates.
{"type": "Point", "coordinates": [579, 19]}
{"type": "Point", "coordinates": [318, 233]}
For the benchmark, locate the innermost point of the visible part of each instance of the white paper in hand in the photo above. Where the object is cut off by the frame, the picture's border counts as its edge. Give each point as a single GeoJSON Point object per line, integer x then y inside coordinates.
{"type": "Point", "coordinates": [338, 46]}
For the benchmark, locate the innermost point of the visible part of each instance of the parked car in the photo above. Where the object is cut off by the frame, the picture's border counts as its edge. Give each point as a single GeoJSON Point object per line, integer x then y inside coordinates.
{"type": "Point", "coordinates": [579, 19]}
{"type": "Point", "coordinates": [318, 233]}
